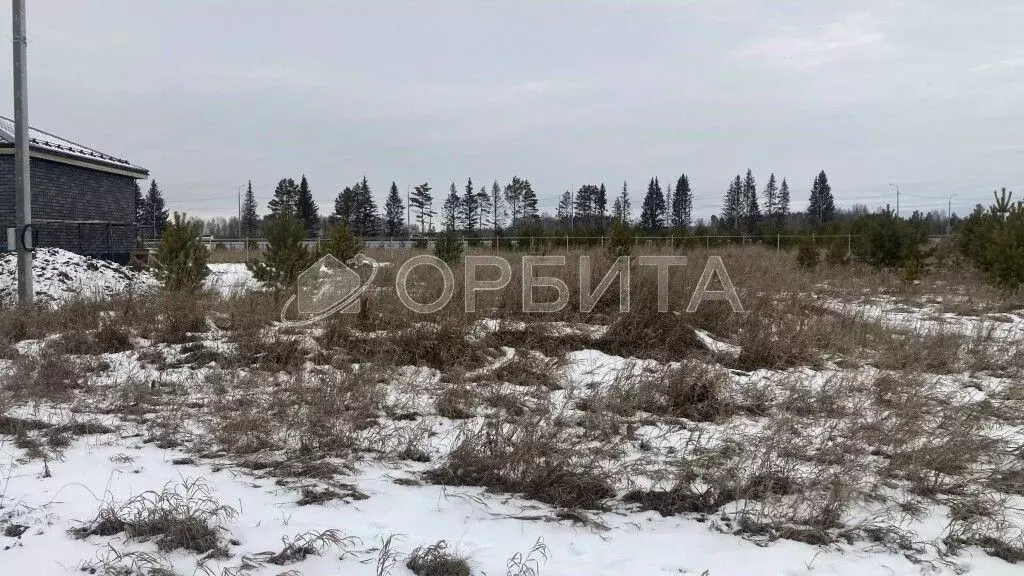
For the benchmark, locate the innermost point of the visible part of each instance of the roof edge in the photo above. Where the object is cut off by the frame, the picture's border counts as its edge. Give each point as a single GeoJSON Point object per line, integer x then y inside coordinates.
{"type": "Point", "coordinates": [44, 153]}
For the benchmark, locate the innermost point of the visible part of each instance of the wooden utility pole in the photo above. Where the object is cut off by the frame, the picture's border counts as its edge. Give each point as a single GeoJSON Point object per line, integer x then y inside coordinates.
{"type": "Point", "coordinates": [22, 185]}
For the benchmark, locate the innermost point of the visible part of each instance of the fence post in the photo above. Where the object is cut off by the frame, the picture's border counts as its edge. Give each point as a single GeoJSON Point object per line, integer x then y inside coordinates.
{"type": "Point", "coordinates": [566, 242]}
{"type": "Point", "coordinates": [778, 242]}
{"type": "Point", "coordinates": [849, 244]}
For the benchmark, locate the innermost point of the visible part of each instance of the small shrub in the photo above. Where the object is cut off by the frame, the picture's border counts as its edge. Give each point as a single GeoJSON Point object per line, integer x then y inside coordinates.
{"type": "Point", "coordinates": [340, 243]}
{"type": "Point", "coordinates": [286, 256]}
{"type": "Point", "coordinates": [807, 255]}
{"type": "Point", "coordinates": [180, 261]}
{"type": "Point", "coordinates": [448, 247]}
{"type": "Point", "coordinates": [621, 241]}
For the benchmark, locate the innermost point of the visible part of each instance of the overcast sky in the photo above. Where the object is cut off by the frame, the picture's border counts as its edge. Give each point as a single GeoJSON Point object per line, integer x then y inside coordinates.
{"type": "Point", "coordinates": [207, 94]}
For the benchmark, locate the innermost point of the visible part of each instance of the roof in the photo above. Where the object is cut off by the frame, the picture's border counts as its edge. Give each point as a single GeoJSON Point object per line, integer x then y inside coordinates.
{"type": "Point", "coordinates": [41, 141]}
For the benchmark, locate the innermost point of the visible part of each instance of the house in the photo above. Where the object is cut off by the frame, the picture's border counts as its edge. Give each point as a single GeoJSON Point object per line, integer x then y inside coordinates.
{"type": "Point", "coordinates": [82, 200]}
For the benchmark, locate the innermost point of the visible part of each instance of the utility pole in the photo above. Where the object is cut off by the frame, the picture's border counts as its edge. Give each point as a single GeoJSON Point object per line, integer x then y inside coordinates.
{"type": "Point", "coordinates": [22, 185]}
{"type": "Point", "coordinates": [408, 213]}
{"type": "Point", "coordinates": [240, 210]}
{"type": "Point", "coordinates": [897, 187]}
{"type": "Point", "coordinates": [949, 213]}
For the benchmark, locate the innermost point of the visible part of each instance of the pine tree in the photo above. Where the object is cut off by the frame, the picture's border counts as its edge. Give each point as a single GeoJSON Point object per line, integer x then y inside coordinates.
{"type": "Point", "coordinates": [601, 205]}
{"type": "Point", "coordinates": [564, 211]}
{"type": "Point", "coordinates": [180, 261]}
{"type": "Point", "coordinates": [344, 207]}
{"type": "Point", "coordinates": [421, 201]}
{"type": "Point", "coordinates": [783, 207]}
{"type": "Point", "coordinates": [821, 205]}
{"type": "Point", "coordinates": [250, 219]}
{"type": "Point", "coordinates": [622, 206]}
{"type": "Point", "coordinates": [515, 192]}
{"type": "Point", "coordinates": [284, 202]}
{"type": "Point", "coordinates": [771, 197]}
{"type": "Point", "coordinates": [469, 208]}
{"type": "Point", "coordinates": [450, 209]}
{"type": "Point", "coordinates": [394, 212]}
{"type": "Point", "coordinates": [732, 205]}
{"type": "Point", "coordinates": [155, 215]}
{"type": "Point", "coordinates": [652, 212]}
{"type": "Point", "coordinates": [585, 207]}
{"type": "Point", "coordinates": [682, 204]}
{"type": "Point", "coordinates": [483, 202]}
{"type": "Point", "coordinates": [497, 207]}
{"type": "Point", "coordinates": [306, 208]}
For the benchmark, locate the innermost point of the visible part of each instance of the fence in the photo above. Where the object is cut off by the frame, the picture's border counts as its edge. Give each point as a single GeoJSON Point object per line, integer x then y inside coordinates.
{"type": "Point", "coordinates": [532, 243]}
{"type": "Point", "coordinates": [109, 240]}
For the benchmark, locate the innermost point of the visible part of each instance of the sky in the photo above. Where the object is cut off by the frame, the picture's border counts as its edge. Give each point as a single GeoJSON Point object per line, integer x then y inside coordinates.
{"type": "Point", "coordinates": [925, 94]}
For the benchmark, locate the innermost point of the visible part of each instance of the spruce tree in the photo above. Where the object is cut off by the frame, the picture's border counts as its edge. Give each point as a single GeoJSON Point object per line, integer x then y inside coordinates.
{"type": "Point", "coordinates": [529, 201]}
{"type": "Point", "coordinates": [771, 197]}
{"type": "Point", "coordinates": [682, 204]}
{"type": "Point", "coordinates": [732, 205]}
{"type": "Point", "coordinates": [450, 209]}
{"type": "Point", "coordinates": [469, 208]}
{"type": "Point", "coordinates": [497, 207]}
{"type": "Point", "coordinates": [751, 209]}
{"type": "Point", "coordinates": [284, 203]}
{"type": "Point", "coordinates": [250, 219]}
{"type": "Point", "coordinates": [155, 215]}
{"type": "Point", "coordinates": [783, 206]}
{"type": "Point", "coordinates": [652, 212]}
{"type": "Point", "coordinates": [140, 208]}
{"type": "Point", "coordinates": [821, 205]}
{"type": "Point", "coordinates": [394, 212]}
{"type": "Point", "coordinates": [365, 219]}
{"type": "Point", "coordinates": [306, 208]}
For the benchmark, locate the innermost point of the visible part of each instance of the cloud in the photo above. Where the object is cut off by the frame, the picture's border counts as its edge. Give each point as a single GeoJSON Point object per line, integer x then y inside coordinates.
{"type": "Point", "coordinates": [856, 34]}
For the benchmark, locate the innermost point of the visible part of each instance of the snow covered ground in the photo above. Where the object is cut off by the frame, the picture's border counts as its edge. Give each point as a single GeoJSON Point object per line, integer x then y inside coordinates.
{"type": "Point", "coordinates": [230, 278]}
{"type": "Point", "coordinates": [60, 275]}
{"type": "Point", "coordinates": [173, 410]}
{"type": "Point", "coordinates": [488, 529]}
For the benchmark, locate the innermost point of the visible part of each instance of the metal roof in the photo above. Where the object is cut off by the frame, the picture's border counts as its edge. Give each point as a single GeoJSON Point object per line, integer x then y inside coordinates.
{"type": "Point", "coordinates": [41, 140]}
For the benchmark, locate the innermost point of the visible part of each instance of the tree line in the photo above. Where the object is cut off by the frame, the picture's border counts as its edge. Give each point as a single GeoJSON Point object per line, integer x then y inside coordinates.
{"type": "Point", "coordinates": [496, 208]}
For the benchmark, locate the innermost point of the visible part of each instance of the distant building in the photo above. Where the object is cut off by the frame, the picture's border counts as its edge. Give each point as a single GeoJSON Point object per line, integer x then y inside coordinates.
{"type": "Point", "coordinates": [82, 200]}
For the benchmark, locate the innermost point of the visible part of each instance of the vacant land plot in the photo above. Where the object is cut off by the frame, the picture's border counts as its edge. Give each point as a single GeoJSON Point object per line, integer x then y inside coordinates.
{"type": "Point", "coordinates": [847, 422]}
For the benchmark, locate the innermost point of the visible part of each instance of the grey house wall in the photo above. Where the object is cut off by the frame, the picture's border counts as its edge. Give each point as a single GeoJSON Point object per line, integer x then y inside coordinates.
{"type": "Point", "coordinates": [64, 192]}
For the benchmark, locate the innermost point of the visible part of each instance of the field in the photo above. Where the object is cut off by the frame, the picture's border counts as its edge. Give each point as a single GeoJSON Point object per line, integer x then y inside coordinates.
{"type": "Point", "coordinates": [847, 422]}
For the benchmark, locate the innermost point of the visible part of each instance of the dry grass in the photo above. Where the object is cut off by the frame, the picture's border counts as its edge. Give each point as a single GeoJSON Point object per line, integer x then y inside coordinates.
{"type": "Point", "coordinates": [537, 459]}
{"type": "Point", "coordinates": [178, 517]}
{"type": "Point", "coordinates": [437, 560]}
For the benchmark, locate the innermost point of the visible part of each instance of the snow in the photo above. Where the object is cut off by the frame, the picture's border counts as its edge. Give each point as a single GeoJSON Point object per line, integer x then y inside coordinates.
{"type": "Point", "coordinates": [487, 528]}
{"type": "Point", "coordinates": [230, 278]}
{"type": "Point", "coordinates": [60, 276]}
